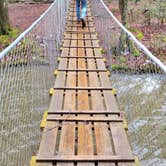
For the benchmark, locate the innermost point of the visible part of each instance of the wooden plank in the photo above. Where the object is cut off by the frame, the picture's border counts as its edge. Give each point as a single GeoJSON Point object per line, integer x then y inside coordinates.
{"type": "Point", "coordinates": [57, 98]}
{"type": "Point", "coordinates": [65, 52]}
{"type": "Point", "coordinates": [109, 97]}
{"type": "Point", "coordinates": [83, 119]}
{"type": "Point", "coordinates": [120, 142]}
{"type": "Point", "coordinates": [85, 141]}
{"type": "Point", "coordinates": [97, 52]}
{"type": "Point", "coordinates": [67, 142]}
{"type": "Point", "coordinates": [80, 39]}
{"type": "Point", "coordinates": [82, 88]}
{"type": "Point", "coordinates": [67, 36]}
{"type": "Point", "coordinates": [66, 43]}
{"type": "Point", "coordinates": [70, 96]}
{"type": "Point", "coordinates": [88, 158]}
{"type": "Point", "coordinates": [49, 138]}
{"type": "Point", "coordinates": [101, 133]}
{"type": "Point", "coordinates": [91, 112]}
{"type": "Point", "coordinates": [83, 101]}
{"type": "Point", "coordinates": [86, 57]}
{"type": "Point", "coordinates": [94, 36]}
{"type": "Point", "coordinates": [82, 46]}
{"type": "Point", "coordinates": [69, 21]}
{"type": "Point", "coordinates": [81, 70]}
{"type": "Point", "coordinates": [88, 25]}
{"type": "Point", "coordinates": [48, 142]}
{"type": "Point", "coordinates": [86, 29]}
{"type": "Point", "coordinates": [70, 26]}
{"type": "Point", "coordinates": [95, 43]}
{"type": "Point", "coordinates": [92, 43]}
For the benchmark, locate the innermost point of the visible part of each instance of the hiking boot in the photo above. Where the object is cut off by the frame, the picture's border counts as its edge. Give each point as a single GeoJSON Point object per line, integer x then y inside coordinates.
{"type": "Point", "coordinates": [83, 23]}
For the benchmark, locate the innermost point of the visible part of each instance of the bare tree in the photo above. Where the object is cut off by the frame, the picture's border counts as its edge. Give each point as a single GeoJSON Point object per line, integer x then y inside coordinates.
{"type": "Point", "coordinates": [123, 11]}
{"type": "Point", "coordinates": [4, 20]}
{"type": "Point", "coordinates": [123, 40]}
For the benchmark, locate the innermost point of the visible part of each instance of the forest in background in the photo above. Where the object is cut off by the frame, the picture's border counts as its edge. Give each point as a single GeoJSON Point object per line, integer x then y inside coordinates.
{"type": "Point", "coordinates": [16, 16]}
{"type": "Point", "coordinates": [145, 19]}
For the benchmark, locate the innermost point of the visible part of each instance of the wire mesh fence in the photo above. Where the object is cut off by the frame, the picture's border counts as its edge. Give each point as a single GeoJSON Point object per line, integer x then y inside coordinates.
{"type": "Point", "coordinates": [140, 80]}
{"type": "Point", "coordinates": [26, 74]}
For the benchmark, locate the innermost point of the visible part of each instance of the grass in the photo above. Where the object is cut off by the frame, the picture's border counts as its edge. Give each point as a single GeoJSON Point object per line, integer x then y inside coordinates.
{"type": "Point", "coordinates": [119, 67]}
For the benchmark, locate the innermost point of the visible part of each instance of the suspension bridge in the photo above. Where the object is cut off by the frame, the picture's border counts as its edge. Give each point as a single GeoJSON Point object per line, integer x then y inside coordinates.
{"type": "Point", "coordinates": [84, 123]}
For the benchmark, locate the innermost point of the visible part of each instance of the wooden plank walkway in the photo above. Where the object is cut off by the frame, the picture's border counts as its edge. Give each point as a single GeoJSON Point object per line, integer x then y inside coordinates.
{"type": "Point", "coordinates": [84, 125]}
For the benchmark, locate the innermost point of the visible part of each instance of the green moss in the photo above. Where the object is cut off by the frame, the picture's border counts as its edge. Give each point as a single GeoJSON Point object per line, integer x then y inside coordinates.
{"type": "Point", "coordinates": [136, 52]}
{"type": "Point", "coordinates": [114, 10]}
{"type": "Point", "coordinates": [119, 67]}
{"type": "Point", "coordinates": [164, 39]}
{"type": "Point", "coordinates": [140, 35]}
{"type": "Point", "coordinates": [14, 33]}
{"type": "Point", "coordinates": [133, 30]}
{"type": "Point", "coordinates": [122, 59]}
{"type": "Point", "coordinates": [103, 51]}
{"type": "Point", "coordinates": [5, 40]}
{"type": "Point", "coordinates": [115, 66]}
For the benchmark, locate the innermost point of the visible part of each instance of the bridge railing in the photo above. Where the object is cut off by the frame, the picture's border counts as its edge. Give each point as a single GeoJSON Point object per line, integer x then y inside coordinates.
{"type": "Point", "coordinates": [120, 46]}
{"type": "Point", "coordinates": [140, 79]}
{"type": "Point", "coordinates": [26, 74]}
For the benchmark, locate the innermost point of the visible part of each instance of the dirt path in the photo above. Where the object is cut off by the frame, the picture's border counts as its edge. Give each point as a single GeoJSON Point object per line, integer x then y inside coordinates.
{"type": "Point", "coordinates": [22, 15]}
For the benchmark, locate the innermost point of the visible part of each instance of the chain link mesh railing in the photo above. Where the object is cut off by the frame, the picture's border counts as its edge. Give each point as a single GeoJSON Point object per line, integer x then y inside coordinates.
{"type": "Point", "coordinates": [26, 74]}
{"type": "Point", "coordinates": [140, 80]}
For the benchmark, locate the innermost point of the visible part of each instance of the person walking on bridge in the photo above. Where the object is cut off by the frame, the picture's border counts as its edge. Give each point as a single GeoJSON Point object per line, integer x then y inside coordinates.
{"type": "Point", "coordinates": [81, 17]}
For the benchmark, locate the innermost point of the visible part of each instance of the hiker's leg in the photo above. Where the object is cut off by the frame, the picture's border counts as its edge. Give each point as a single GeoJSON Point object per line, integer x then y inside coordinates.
{"type": "Point", "coordinates": [78, 9]}
{"type": "Point", "coordinates": [84, 8]}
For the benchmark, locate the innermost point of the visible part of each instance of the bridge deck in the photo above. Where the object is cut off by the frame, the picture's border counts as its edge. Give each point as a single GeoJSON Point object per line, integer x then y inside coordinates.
{"type": "Point", "coordinates": [84, 125]}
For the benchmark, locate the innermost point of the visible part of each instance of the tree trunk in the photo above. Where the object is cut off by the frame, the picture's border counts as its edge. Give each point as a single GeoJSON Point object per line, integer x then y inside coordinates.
{"type": "Point", "coordinates": [4, 20]}
{"type": "Point", "coordinates": [123, 40]}
{"type": "Point", "coordinates": [123, 11]}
